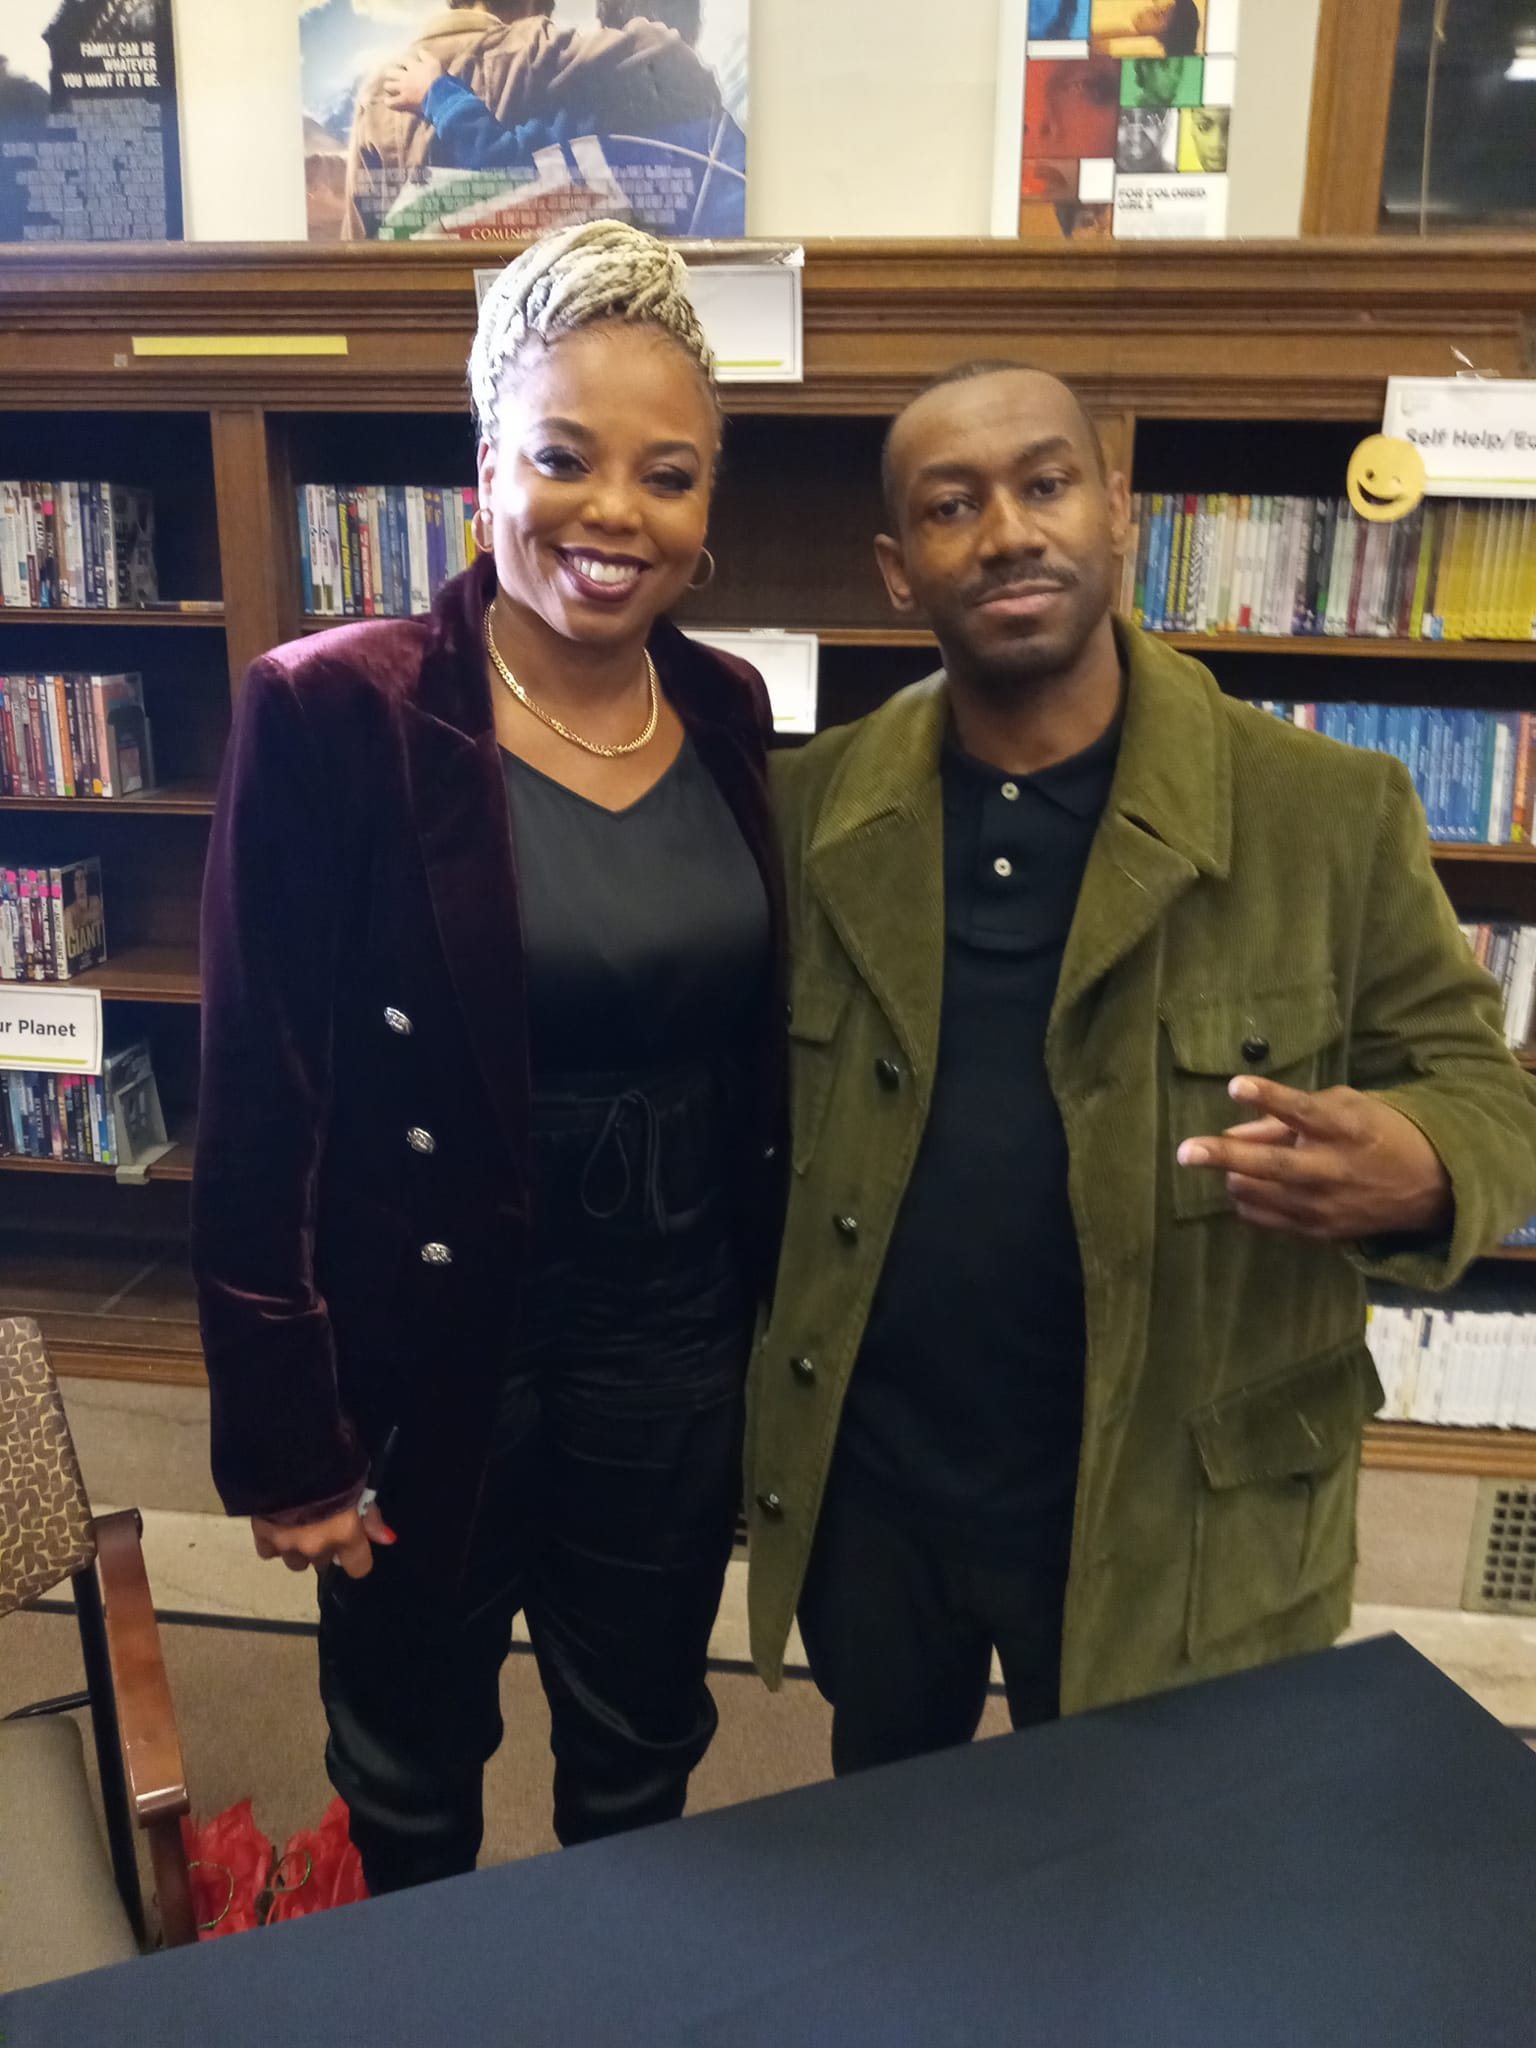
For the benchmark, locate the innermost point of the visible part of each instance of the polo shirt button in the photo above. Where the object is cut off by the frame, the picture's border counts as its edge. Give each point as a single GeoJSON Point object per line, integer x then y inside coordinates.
{"type": "Point", "coordinates": [770, 1153]}
{"type": "Point", "coordinates": [1011, 791]}
{"type": "Point", "coordinates": [1002, 866]}
{"type": "Point", "coordinates": [804, 1369]}
{"type": "Point", "coordinates": [847, 1228]}
{"type": "Point", "coordinates": [771, 1506]}
{"type": "Point", "coordinates": [1255, 1049]}
{"type": "Point", "coordinates": [887, 1073]}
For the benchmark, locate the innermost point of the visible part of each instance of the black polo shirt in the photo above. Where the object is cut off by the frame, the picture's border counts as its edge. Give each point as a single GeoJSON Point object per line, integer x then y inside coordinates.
{"type": "Point", "coordinates": [967, 1395]}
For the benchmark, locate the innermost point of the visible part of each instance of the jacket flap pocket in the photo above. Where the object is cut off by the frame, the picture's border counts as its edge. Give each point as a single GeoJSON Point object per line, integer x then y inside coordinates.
{"type": "Point", "coordinates": [1218, 1034]}
{"type": "Point", "coordinates": [1303, 1420]}
{"type": "Point", "coordinates": [816, 1004]}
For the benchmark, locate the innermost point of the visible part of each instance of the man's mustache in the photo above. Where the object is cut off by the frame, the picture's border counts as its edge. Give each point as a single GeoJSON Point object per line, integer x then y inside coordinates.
{"type": "Point", "coordinates": [1033, 575]}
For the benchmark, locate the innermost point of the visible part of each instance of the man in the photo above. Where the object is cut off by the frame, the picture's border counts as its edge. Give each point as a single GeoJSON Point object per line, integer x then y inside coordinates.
{"type": "Point", "coordinates": [1059, 1364]}
{"type": "Point", "coordinates": [640, 80]}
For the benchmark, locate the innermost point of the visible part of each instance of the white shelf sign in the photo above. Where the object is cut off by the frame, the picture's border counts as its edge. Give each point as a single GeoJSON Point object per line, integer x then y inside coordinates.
{"type": "Point", "coordinates": [787, 662]}
{"type": "Point", "coordinates": [1477, 435]}
{"type": "Point", "coordinates": [752, 313]}
{"type": "Point", "coordinates": [50, 1030]}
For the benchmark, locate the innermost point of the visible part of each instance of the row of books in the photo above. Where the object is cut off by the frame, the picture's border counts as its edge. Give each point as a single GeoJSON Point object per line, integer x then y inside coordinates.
{"type": "Point", "coordinates": [56, 1116]}
{"type": "Point", "coordinates": [1475, 771]}
{"type": "Point", "coordinates": [1508, 951]}
{"type": "Point", "coordinates": [74, 735]}
{"type": "Point", "coordinates": [1455, 1368]}
{"type": "Point", "coordinates": [1235, 562]}
{"type": "Point", "coordinates": [83, 1120]}
{"type": "Point", "coordinates": [381, 550]}
{"type": "Point", "coordinates": [52, 921]}
{"type": "Point", "coordinates": [88, 546]}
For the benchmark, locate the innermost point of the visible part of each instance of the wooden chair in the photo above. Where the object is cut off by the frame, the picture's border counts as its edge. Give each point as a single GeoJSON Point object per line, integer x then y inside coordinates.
{"type": "Point", "coordinates": [66, 1906]}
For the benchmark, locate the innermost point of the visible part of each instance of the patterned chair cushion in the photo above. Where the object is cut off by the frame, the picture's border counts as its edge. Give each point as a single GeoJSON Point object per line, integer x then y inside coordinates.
{"type": "Point", "coordinates": [45, 1518]}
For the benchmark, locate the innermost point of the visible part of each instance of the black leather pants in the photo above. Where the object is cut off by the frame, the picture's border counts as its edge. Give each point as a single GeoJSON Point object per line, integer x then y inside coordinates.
{"type": "Point", "coordinates": [607, 1512]}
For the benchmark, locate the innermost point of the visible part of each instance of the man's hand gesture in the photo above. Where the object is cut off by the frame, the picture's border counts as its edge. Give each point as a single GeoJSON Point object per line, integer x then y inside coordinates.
{"type": "Point", "coordinates": [1338, 1164]}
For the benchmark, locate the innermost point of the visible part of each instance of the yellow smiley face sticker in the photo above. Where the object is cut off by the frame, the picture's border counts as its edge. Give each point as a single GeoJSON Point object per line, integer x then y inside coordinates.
{"type": "Point", "coordinates": [1386, 478]}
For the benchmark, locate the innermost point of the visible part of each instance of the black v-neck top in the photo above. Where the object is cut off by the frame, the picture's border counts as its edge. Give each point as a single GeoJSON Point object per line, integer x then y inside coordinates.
{"type": "Point", "coordinates": [645, 931]}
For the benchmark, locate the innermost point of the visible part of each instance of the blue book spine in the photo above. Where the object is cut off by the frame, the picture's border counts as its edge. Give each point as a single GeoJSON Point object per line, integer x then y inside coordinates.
{"type": "Point", "coordinates": [1487, 731]}
{"type": "Point", "coordinates": [399, 591]}
{"type": "Point", "coordinates": [306, 567]}
{"type": "Point", "coordinates": [1418, 754]}
{"type": "Point", "coordinates": [1461, 777]}
{"type": "Point", "coordinates": [1156, 608]}
{"type": "Point", "coordinates": [1434, 768]}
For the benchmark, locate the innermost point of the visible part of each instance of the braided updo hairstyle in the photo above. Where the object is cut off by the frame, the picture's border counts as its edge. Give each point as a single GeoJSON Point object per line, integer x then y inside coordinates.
{"type": "Point", "coordinates": [573, 278]}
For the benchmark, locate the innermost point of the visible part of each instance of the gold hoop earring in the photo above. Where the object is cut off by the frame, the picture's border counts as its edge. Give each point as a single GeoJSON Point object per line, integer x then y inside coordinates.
{"type": "Point", "coordinates": [710, 574]}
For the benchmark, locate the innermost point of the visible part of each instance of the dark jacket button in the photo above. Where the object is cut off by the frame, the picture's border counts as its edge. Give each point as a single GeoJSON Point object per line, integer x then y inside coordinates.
{"type": "Point", "coordinates": [771, 1506]}
{"type": "Point", "coordinates": [1255, 1049]}
{"type": "Point", "coordinates": [887, 1073]}
{"type": "Point", "coordinates": [803, 1369]}
{"type": "Point", "coordinates": [847, 1228]}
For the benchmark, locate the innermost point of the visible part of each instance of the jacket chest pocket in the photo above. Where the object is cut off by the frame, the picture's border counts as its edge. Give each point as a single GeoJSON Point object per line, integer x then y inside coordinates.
{"type": "Point", "coordinates": [1275, 1498]}
{"type": "Point", "coordinates": [1285, 1036]}
{"type": "Point", "coordinates": [817, 1002]}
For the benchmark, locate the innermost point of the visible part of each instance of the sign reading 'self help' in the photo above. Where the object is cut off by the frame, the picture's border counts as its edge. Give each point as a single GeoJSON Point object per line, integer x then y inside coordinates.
{"type": "Point", "coordinates": [1477, 435]}
{"type": "Point", "coordinates": [50, 1030]}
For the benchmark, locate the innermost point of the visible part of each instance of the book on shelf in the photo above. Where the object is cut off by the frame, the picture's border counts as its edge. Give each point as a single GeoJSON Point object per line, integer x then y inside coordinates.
{"type": "Point", "coordinates": [52, 920]}
{"type": "Point", "coordinates": [1467, 1367]}
{"type": "Point", "coordinates": [1524, 1238]}
{"type": "Point", "coordinates": [1474, 771]}
{"type": "Point", "coordinates": [380, 550]}
{"type": "Point", "coordinates": [1508, 951]}
{"type": "Point", "coordinates": [76, 546]}
{"type": "Point", "coordinates": [134, 1114]}
{"type": "Point", "coordinates": [63, 1117]}
{"type": "Point", "coordinates": [70, 735]}
{"type": "Point", "coordinates": [1241, 562]}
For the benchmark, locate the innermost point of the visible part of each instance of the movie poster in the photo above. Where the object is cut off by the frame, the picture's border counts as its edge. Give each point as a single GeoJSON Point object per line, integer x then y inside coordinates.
{"type": "Point", "coordinates": [513, 116]}
{"type": "Point", "coordinates": [1126, 118]}
{"type": "Point", "coordinates": [89, 143]}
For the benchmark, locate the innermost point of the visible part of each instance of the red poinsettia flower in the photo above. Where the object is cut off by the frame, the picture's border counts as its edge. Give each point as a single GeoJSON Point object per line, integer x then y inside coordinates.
{"type": "Point", "coordinates": [229, 1859]}
{"type": "Point", "coordinates": [319, 1868]}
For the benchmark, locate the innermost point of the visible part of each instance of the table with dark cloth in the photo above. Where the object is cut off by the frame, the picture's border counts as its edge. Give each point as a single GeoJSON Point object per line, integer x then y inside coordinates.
{"type": "Point", "coordinates": [1340, 1850]}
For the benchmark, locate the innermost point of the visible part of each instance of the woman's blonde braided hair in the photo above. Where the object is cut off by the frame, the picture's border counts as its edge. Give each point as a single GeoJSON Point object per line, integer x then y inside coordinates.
{"type": "Point", "coordinates": [599, 270]}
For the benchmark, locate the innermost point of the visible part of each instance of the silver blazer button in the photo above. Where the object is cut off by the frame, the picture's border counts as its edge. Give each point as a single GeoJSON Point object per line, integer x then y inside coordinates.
{"type": "Point", "coordinates": [399, 1023]}
{"type": "Point", "coordinates": [436, 1255]}
{"type": "Point", "coordinates": [420, 1140]}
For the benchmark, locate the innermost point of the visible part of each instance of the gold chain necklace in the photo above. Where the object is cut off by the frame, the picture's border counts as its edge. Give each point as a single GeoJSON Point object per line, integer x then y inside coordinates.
{"type": "Point", "coordinates": [548, 717]}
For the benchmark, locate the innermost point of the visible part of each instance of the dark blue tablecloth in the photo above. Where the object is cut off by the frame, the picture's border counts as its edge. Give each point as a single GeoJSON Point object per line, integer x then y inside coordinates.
{"type": "Point", "coordinates": [1339, 1850]}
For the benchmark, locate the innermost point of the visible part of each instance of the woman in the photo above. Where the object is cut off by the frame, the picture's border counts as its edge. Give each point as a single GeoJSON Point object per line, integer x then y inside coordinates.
{"type": "Point", "coordinates": [492, 1086]}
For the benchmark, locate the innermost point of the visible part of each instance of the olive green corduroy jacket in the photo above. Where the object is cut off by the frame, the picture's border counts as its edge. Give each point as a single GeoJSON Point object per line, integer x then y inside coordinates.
{"type": "Point", "coordinates": [1248, 882]}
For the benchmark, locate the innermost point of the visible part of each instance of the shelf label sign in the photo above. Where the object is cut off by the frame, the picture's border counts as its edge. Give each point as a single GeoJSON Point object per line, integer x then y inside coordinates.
{"type": "Point", "coordinates": [751, 308]}
{"type": "Point", "coordinates": [787, 662]}
{"type": "Point", "coordinates": [1477, 435]}
{"type": "Point", "coordinates": [50, 1030]}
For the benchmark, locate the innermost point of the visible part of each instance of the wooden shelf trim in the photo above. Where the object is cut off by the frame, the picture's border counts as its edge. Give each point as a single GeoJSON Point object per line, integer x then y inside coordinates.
{"type": "Point", "coordinates": [1474, 1453]}
{"type": "Point", "coordinates": [146, 974]}
{"type": "Point", "coordinates": [176, 1165]}
{"type": "Point", "coordinates": [1216, 329]}
{"type": "Point", "coordinates": [105, 615]}
{"type": "Point", "coordinates": [171, 800]}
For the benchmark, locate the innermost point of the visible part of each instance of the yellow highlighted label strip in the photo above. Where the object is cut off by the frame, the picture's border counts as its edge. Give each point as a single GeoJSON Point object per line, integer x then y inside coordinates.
{"type": "Point", "coordinates": [240, 344]}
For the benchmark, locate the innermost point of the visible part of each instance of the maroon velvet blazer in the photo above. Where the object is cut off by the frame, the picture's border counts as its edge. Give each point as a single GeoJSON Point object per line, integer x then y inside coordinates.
{"type": "Point", "coordinates": [363, 976]}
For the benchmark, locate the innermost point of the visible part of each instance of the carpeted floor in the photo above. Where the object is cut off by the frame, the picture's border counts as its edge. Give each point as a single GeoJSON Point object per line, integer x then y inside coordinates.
{"type": "Point", "coordinates": [251, 1723]}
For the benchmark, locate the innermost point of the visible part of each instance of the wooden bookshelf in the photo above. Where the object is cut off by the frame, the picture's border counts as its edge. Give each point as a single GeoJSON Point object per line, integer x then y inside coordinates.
{"type": "Point", "coordinates": [108, 615]}
{"type": "Point", "coordinates": [169, 800]}
{"type": "Point", "coordinates": [1254, 366]}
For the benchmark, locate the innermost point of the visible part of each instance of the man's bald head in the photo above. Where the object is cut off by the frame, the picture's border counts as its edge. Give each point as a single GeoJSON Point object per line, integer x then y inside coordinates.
{"type": "Point", "coordinates": [965, 373]}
